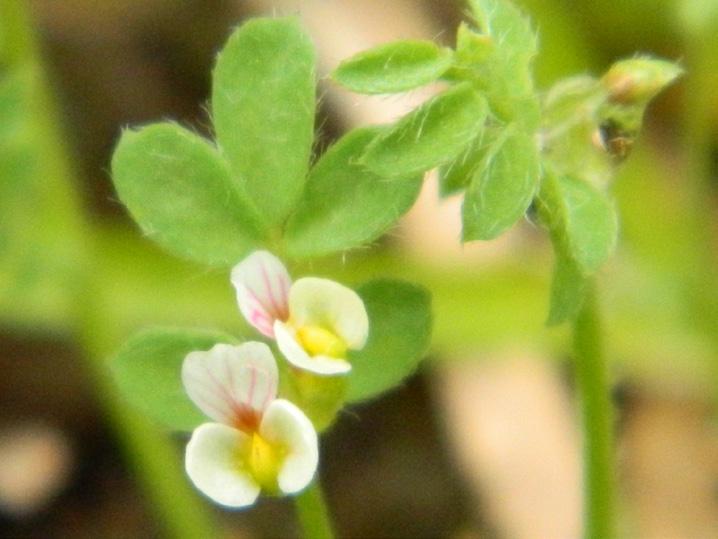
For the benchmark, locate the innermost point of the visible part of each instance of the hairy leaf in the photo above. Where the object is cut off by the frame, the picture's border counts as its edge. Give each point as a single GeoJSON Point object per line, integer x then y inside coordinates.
{"type": "Point", "coordinates": [345, 204]}
{"type": "Point", "coordinates": [583, 227]}
{"type": "Point", "coordinates": [429, 136]}
{"type": "Point", "coordinates": [394, 67]}
{"type": "Point", "coordinates": [263, 100]}
{"type": "Point", "coordinates": [502, 188]}
{"type": "Point", "coordinates": [180, 191]}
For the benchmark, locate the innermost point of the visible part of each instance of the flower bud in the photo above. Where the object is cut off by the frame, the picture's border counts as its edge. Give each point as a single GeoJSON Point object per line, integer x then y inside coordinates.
{"type": "Point", "coordinates": [636, 81]}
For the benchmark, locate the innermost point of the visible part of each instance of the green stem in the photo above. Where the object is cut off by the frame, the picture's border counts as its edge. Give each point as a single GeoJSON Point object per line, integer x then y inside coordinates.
{"type": "Point", "coordinates": [698, 140]}
{"type": "Point", "coordinates": [597, 419]}
{"type": "Point", "coordinates": [313, 514]}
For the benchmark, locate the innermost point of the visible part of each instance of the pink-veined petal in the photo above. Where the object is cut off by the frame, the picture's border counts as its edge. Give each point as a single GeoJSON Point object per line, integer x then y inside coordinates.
{"type": "Point", "coordinates": [286, 425]}
{"type": "Point", "coordinates": [232, 384]}
{"type": "Point", "coordinates": [212, 463]}
{"type": "Point", "coordinates": [262, 283]}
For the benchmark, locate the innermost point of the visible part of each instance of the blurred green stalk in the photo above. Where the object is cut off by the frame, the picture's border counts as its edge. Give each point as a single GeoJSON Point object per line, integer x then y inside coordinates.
{"type": "Point", "coordinates": [592, 382]}
{"type": "Point", "coordinates": [699, 131]}
{"type": "Point", "coordinates": [313, 514]}
{"type": "Point", "coordinates": [150, 452]}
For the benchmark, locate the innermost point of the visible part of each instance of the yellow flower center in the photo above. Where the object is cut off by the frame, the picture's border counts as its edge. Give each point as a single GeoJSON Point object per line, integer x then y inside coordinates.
{"type": "Point", "coordinates": [318, 341]}
{"type": "Point", "coordinates": [264, 461]}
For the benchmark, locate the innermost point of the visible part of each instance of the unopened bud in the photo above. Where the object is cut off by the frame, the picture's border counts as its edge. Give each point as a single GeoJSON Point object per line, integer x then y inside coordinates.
{"type": "Point", "coordinates": [638, 80]}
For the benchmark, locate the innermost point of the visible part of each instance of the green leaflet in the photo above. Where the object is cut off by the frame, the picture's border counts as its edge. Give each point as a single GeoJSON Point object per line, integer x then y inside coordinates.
{"type": "Point", "coordinates": [263, 100]}
{"type": "Point", "coordinates": [472, 47]}
{"type": "Point", "coordinates": [148, 373]}
{"type": "Point", "coordinates": [502, 187]}
{"type": "Point", "coordinates": [399, 336]}
{"type": "Point", "coordinates": [505, 74]}
{"type": "Point", "coordinates": [456, 175]}
{"type": "Point", "coordinates": [570, 126]}
{"type": "Point", "coordinates": [345, 204]}
{"type": "Point", "coordinates": [568, 286]}
{"type": "Point", "coordinates": [180, 191]}
{"type": "Point", "coordinates": [583, 226]}
{"type": "Point", "coordinates": [580, 217]}
{"type": "Point", "coordinates": [394, 67]}
{"type": "Point", "coordinates": [433, 134]}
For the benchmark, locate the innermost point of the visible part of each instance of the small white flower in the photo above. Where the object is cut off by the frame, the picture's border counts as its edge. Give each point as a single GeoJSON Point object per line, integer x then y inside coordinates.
{"type": "Point", "coordinates": [315, 321]}
{"type": "Point", "coordinates": [259, 442]}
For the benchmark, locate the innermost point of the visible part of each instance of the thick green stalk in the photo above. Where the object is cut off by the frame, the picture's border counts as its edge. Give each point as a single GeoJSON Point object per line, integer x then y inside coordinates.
{"type": "Point", "coordinates": [597, 419]}
{"type": "Point", "coordinates": [151, 453]}
{"type": "Point", "coordinates": [312, 512]}
{"type": "Point", "coordinates": [701, 46]}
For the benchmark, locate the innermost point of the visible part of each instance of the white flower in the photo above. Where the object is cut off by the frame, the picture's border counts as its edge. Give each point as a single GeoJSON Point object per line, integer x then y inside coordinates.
{"type": "Point", "coordinates": [315, 321]}
{"type": "Point", "coordinates": [259, 442]}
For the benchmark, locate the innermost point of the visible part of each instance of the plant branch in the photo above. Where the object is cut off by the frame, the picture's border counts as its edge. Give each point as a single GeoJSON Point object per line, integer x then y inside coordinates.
{"type": "Point", "coordinates": [597, 420]}
{"type": "Point", "coordinates": [313, 514]}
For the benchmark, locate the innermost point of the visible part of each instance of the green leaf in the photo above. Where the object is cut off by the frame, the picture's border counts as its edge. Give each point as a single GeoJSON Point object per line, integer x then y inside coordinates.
{"type": "Point", "coordinates": [394, 67]}
{"type": "Point", "coordinates": [346, 205]}
{"type": "Point", "coordinates": [583, 227]}
{"type": "Point", "coordinates": [580, 218]}
{"type": "Point", "coordinates": [456, 175]}
{"type": "Point", "coordinates": [180, 191]}
{"type": "Point", "coordinates": [502, 188]}
{"type": "Point", "coordinates": [505, 75]}
{"type": "Point", "coordinates": [399, 336]}
{"type": "Point", "coordinates": [429, 136]}
{"type": "Point", "coordinates": [570, 123]}
{"type": "Point", "coordinates": [472, 47]}
{"type": "Point", "coordinates": [148, 372]}
{"type": "Point", "coordinates": [263, 100]}
{"type": "Point", "coordinates": [568, 286]}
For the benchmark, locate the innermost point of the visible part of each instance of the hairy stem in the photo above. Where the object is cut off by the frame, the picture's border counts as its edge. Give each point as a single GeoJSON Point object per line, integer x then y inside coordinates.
{"type": "Point", "coordinates": [313, 515]}
{"type": "Point", "coordinates": [597, 419]}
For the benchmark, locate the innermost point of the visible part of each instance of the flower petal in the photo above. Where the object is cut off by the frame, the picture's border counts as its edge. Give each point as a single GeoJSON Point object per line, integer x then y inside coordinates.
{"type": "Point", "coordinates": [262, 283]}
{"type": "Point", "coordinates": [297, 356]}
{"type": "Point", "coordinates": [213, 465]}
{"type": "Point", "coordinates": [232, 384]}
{"type": "Point", "coordinates": [314, 301]}
{"type": "Point", "coordinates": [285, 424]}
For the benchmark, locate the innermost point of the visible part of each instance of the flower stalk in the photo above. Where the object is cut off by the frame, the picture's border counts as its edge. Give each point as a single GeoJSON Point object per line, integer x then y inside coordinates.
{"type": "Point", "coordinates": [313, 514]}
{"type": "Point", "coordinates": [597, 420]}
